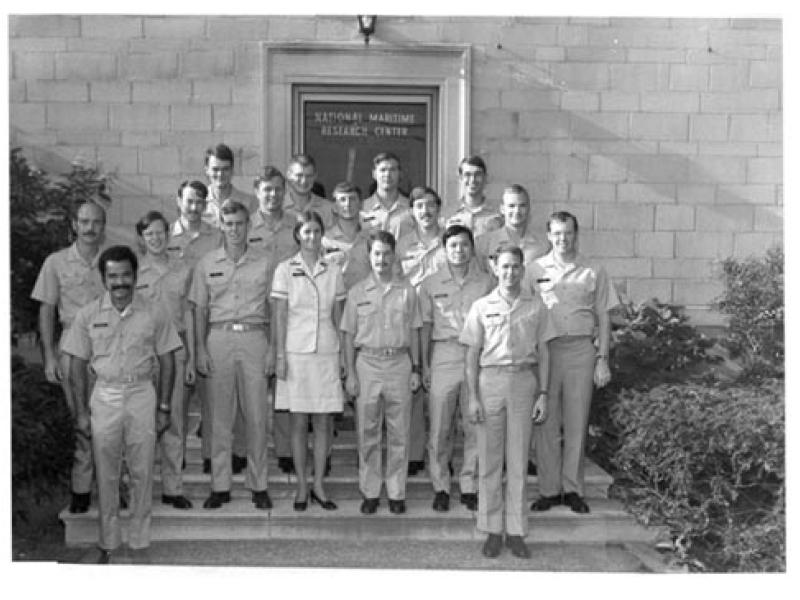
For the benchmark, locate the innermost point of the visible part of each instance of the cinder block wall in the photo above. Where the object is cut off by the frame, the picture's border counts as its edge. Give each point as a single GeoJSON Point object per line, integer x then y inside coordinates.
{"type": "Point", "coordinates": [662, 135]}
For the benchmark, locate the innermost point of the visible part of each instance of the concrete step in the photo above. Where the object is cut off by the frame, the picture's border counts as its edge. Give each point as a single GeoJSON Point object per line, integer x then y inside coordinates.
{"type": "Point", "coordinates": [343, 482]}
{"type": "Point", "coordinates": [239, 520]}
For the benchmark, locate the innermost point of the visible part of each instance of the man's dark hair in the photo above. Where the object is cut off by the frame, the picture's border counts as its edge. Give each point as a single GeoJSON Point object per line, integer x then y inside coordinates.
{"type": "Point", "coordinates": [304, 160]}
{"type": "Point", "coordinates": [508, 248]}
{"type": "Point", "coordinates": [148, 219]}
{"type": "Point", "coordinates": [220, 152]}
{"type": "Point", "coordinates": [384, 237]}
{"type": "Point", "coordinates": [420, 192]}
{"type": "Point", "coordinates": [307, 216]}
{"type": "Point", "coordinates": [197, 186]}
{"type": "Point", "coordinates": [382, 156]}
{"type": "Point", "coordinates": [231, 207]}
{"type": "Point", "coordinates": [455, 230]}
{"type": "Point", "coordinates": [472, 161]}
{"type": "Point", "coordinates": [562, 216]}
{"type": "Point", "coordinates": [117, 254]}
{"type": "Point", "coordinates": [346, 187]}
{"type": "Point", "coordinates": [269, 172]}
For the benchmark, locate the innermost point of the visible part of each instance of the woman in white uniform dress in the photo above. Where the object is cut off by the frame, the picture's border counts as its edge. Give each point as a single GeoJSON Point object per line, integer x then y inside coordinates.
{"type": "Point", "coordinates": [308, 293]}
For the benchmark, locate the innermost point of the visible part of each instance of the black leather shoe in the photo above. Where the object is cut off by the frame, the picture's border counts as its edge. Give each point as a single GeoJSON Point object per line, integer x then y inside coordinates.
{"type": "Point", "coordinates": [397, 507]}
{"type": "Point", "coordinates": [415, 466]}
{"type": "Point", "coordinates": [441, 502]}
{"type": "Point", "coordinates": [181, 502]}
{"type": "Point", "coordinates": [369, 506]}
{"type": "Point", "coordinates": [327, 504]}
{"type": "Point", "coordinates": [300, 505]}
{"type": "Point", "coordinates": [576, 503]}
{"type": "Point", "coordinates": [103, 556]}
{"type": "Point", "coordinates": [470, 500]}
{"type": "Point", "coordinates": [532, 468]}
{"type": "Point", "coordinates": [543, 503]}
{"type": "Point", "coordinates": [492, 545]}
{"type": "Point", "coordinates": [286, 464]}
{"type": "Point", "coordinates": [238, 464]}
{"type": "Point", "coordinates": [262, 500]}
{"type": "Point", "coordinates": [217, 499]}
{"type": "Point", "coordinates": [206, 465]}
{"type": "Point", "coordinates": [79, 503]}
{"type": "Point", "coordinates": [516, 544]}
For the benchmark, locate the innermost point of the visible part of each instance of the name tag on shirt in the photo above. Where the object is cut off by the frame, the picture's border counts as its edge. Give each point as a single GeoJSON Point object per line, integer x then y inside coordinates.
{"type": "Point", "coordinates": [436, 296]}
{"type": "Point", "coordinates": [543, 280]}
{"type": "Point", "coordinates": [363, 304]}
{"type": "Point", "coordinates": [298, 274]}
{"type": "Point", "coordinates": [256, 239]}
{"type": "Point", "coordinates": [219, 274]}
{"type": "Point", "coordinates": [173, 247]}
{"type": "Point", "coordinates": [99, 325]}
{"type": "Point", "coordinates": [142, 286]}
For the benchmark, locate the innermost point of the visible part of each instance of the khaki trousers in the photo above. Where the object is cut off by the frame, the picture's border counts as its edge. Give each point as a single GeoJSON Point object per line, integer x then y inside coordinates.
{"type": "Point", "coordinates": [447, 398]}
{"type": "Point", "coordinates": [385, 393]}
{"type": "Point", "coordinates": [173, 441]}
{"type": "Point", "coordinates": [82, 462]}
{"type": "Point", "coordinates": [560, 469]}
{"type": "Point", "coordinates": [123, 421]}
{"type": "Point", "coordinates": [507, 398]}
{"type": "Point", "coordinates": [238, 381]}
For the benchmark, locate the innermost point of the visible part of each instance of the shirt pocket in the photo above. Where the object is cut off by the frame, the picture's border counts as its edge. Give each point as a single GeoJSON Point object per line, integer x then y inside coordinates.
{"type": "Point", "coordinates": [102, 340]}
{"type": "Point", "coordinates": [494, 322]}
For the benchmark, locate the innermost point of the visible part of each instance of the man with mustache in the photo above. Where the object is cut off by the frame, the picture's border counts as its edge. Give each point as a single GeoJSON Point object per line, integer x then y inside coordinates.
{"type": "Point", "coordinates": [128, 343]}
{"type": "Point", "coordinates": [381, 324]}
{"type": "Point", "coordinates": [69, 280]}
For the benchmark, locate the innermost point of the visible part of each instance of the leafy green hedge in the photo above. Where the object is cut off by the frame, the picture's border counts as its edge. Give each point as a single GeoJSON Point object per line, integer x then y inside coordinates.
{"type": "Point", "coordinates": [709, 462]}
{"type": "Point", "coordinates": [41, 436]}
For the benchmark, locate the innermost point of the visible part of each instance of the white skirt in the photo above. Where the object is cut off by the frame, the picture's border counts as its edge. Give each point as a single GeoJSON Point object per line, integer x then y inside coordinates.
{"type": "Point", "coordinates": [312, 384]}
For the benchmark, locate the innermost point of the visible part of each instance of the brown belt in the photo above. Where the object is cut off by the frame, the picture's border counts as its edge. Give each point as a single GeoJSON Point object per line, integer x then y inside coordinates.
{"type": "Point", "coordinates": [238, 327]}
{"type": "Point", "coordinates": [386, 352]}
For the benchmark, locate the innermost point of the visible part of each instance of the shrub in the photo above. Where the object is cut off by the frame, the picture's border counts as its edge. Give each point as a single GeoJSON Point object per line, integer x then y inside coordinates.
{"type": "Point", "coordinates": [41, 436]}
{"type": "Point", "coordinates": [709, 463]}
{"type": "Point", "coordinates": [753, 298]}
{"type": "Point", "coordinates": [40, 206]}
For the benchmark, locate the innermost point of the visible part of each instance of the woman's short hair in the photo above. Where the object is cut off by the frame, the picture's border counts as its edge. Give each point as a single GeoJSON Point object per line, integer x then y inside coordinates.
{"type": "Point", "coordinates": [307, 216]}
{"type": "Point", "coordinates": [151, 217]}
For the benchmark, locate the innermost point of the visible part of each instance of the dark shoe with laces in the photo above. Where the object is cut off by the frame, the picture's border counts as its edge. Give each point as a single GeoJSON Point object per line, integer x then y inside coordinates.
{"type": "Point", "coordinates": [369, 506]}
{"type": "Point", "coordinates": [415, 466]}
{"type": "Point", "coordinates": [441, 502]}
{"type": "Point", "coordinates": [470, 500]}
{"type": "Point", "coordinates": [397, 507]}
{"type": "Point", "coordinates": [179, 501]}
{"type": "Point", "coordinates": [543, 503]}
{"type": "Point", "coordinates": [217, 499]}
{"type": "Point", "coordinates": [516, 544]}
{"type": "Point", "coordinates": [576, 503]}
{"type": "Point", "coordinates": [492, 545]}
{"type": "Point", "coordinates": [262, 500]}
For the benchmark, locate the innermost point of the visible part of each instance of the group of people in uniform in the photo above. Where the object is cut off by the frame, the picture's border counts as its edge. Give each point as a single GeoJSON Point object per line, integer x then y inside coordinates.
{"type": "Point", "coordinates": [274, 307]}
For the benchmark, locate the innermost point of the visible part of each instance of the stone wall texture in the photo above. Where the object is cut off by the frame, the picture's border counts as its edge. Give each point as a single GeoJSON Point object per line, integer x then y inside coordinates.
{"type": "Point", "coordinates": [662, 135]}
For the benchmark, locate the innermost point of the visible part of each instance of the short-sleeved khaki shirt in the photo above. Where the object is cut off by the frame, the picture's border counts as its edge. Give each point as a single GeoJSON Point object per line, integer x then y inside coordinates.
{"type": "Point", "coordinates": [121, 345]}
{"type": "Point", "coordinates": [68, 282]}
{"type": "Point", "coordinates": [507, 334]}
{"type": "Point", "coordinates": [213, 212]}
{"type": "Point", "coordinates": [311, 294]}
{"type": "Point", "coordinates": [273, 238]}
{"type": "Point", "coordinates": [574, 293]}
{"type": "Point", "coordinates": [417, 259]}
{"type": "Point", "coordinates": [166, 285]}
{"type": "Point", "coordinates": [532, 247]}
{"type": "Point", "coordinates": [191, 246]}
{"type": "Point", "coordinates": [381, 316]}
{"type": "Point", "coordinates": [397, 220]}
{"type": "Point", "coordinates": [479, 220]}
{"type": "Point", "coordinates": [444, 301]}
{"type": "Point", "coordinates": [352, 256]}
{"type": "Point", "coordinates": [233, 291]}
{"type": "Point", "coordinates": [318, 204]}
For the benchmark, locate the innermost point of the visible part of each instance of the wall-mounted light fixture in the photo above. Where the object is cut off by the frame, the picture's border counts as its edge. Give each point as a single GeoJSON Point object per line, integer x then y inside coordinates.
{"type": "Point", "coordinates": [366, 26]}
